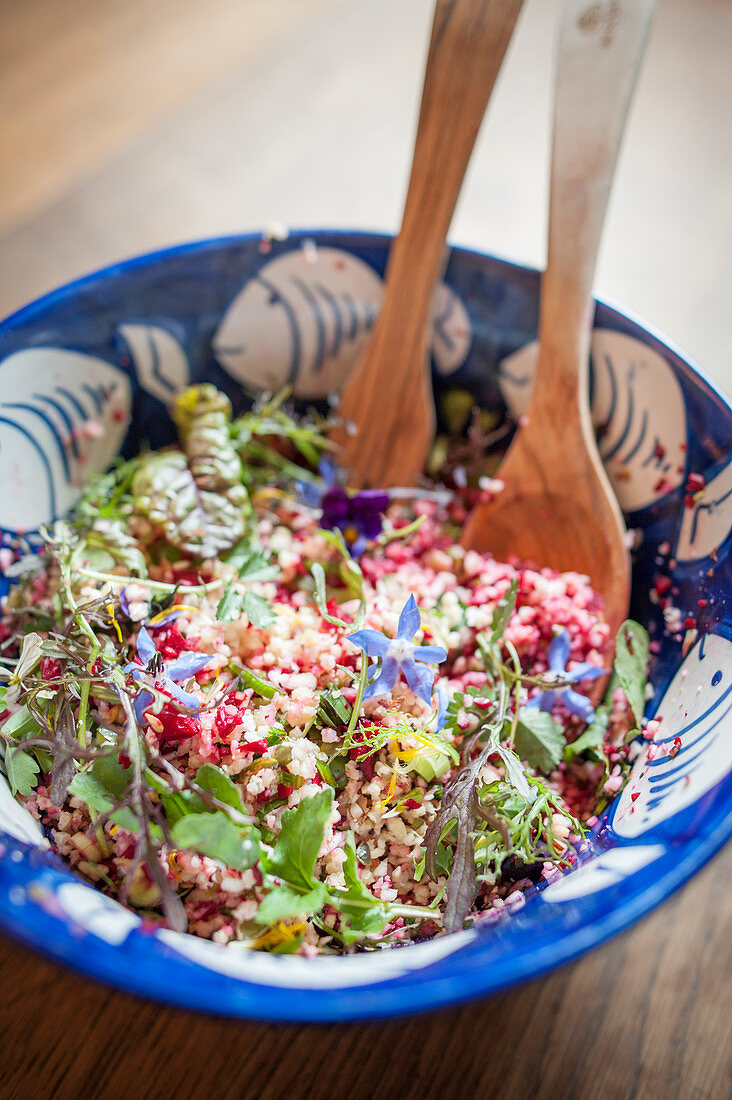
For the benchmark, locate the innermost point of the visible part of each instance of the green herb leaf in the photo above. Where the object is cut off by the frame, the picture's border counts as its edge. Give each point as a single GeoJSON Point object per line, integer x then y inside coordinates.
{"type": "Point", "coordinates": [259, 686]}
{"type": "Point", "coordinates": [591, 739]}
{"type": "Point", "coordinates": [283, 903]}
{"type": "Point", "coordinates": [21, 724]}
{"type": "Point", "coordinates": [101, 786]}
{"type": "Point", "coordinates": [539, 739]}
{"type": "Point", "coordinates": [631, 664]}
{"type": "Point", "coordinates": [217, 836]}
{"type": "Point", "coordinates": [213, 779]}
{"type": "Point", "coordinates": [257, 610]}
{"type": "Point", "coordinates": [503, 611]}
{"type": "Point", "coordinates": [250, 563]}
{"type": "Point", "coordinates": [230, 605]}
{"type": "Point", "coordinates": [297, 846]}
{"type": "Point", "coordinates": [21, 769]}
{"type": "Point", "coordinates": [361, 913]}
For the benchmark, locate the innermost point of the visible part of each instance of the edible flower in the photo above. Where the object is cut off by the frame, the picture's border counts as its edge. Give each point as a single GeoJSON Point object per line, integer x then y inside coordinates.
{"type": "Point", "coordinates": [310, 492]}
{"type": "Point", "coordinates": [558, 655]}
{"type": "Point", "coordinates": [356, 515]}
{"type": "Point", "coordinates": [164, 676]}
{"type": "Point", "coordinates": [400, 654]}
{"type": "Point", "coordinates": [30, 655]}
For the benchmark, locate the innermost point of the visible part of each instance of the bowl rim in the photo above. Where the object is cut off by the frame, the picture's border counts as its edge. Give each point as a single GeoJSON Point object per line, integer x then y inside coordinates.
{"type": "Point", "coordinates": [433, 990]}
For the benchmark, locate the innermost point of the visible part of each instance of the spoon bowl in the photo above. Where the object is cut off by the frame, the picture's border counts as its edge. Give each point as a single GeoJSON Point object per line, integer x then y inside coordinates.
{"type": "Point", "coordinates": [557, 508]}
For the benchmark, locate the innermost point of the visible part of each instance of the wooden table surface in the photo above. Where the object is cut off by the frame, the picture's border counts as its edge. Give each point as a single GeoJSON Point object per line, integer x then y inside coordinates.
{"type": "Point", "coordinates": [128, 126]}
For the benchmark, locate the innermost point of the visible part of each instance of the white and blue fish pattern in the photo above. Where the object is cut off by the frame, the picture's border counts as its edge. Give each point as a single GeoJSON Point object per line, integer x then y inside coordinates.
{"type": "Point", "coordinates": [706, 526]}
{"type": "Point", "coordinates": [638, 410]}
{"type": "Point", "coordinates": [303, 319]}
{"type": "Point", "coordinates": [46, 448]}
{"type": "Point", "coordinates": [160, 362]}
{"type": "Point", "coordinates": [696, 708]}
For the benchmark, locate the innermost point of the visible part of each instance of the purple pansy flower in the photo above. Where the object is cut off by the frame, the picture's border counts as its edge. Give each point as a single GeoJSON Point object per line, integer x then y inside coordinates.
{"type": "Point", "coordinates": [558, 654]}
{"type": "Point", "coordinates": [155, 672]}
{"type": "Point", "coordinates": [358, 517]}
{"type": "Point", "coordinates": [400, 654]}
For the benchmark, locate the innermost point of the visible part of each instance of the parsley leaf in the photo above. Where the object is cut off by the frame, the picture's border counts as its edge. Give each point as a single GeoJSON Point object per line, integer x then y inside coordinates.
{"type": "Point", "coordinates": [539, 739]}
{"type": "Point", "coordinates": [631, 663]}
{"type": "Point", "coordinates": [257, 610]}
{"type": "Point", "coordinates": [255, 607]}
{"type": "Point", "coordinates": [229, 606]}
{"type": "Point", "coordinates": [297, 846]}
{"type": "Point", "coordinates": [21, 769]}
{"type": "Point", "coordinates": [250, 563]}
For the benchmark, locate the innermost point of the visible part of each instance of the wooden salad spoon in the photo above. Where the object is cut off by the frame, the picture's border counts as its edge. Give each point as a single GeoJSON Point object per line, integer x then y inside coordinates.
{"type": "Point", "coordinates": [557, 508]}
{"type": "Point", "coordinates": [387, 403]}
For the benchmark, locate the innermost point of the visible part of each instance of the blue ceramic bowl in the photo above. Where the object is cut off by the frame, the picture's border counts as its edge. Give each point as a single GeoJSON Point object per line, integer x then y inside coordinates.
{"type": "Point", "coordinates": [246, 313]}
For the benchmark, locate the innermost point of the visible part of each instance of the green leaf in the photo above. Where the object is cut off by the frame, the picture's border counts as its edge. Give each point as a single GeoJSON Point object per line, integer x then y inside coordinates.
{"type": "Point", "coordinates": [631, 664]}
{"type": "Point", "coordinates": [257, 610]}
{"type": "Point", "coordinates": [591, 739]}
{"type": "Point", "coordinates": [21, 769]}
{"type": "Point", "coordinates": [282, 903]}
{"type": "Point", "coordinates": [217, 836]}
{"type": "Point", "coordinates": [213, 779]}
{"type": "Point", "coordinates": [503, 611]}
{"type": "Point", "coordinates": [230, 605]}
{"type": "Point", "coordinates": [196, 498]}
{"type": "Point", "coordinates": [361, 912]}
{"type": "Point", "coordinates": [300, 839]}
{"type": "Point", "coordinates": [21, 724]}
{"type": "Point", "coordinates": [539, 739]}
{"type": "Point", "coordinates": [250, 563]}
{"type": "Point", "coordinates": [91, 787]}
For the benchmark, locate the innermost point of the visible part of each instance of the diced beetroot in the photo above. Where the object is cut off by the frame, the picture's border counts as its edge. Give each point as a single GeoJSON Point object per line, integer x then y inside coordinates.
{"type": "Point", "coordinates": [174, 643]}
{"type": "Point", "coordinates": [50, 668]}
{"type": "Point", "coordinates": [284, 790]}
{"type": "Point", "coordinates": [176, 725]}
{"type": "Point", "coordinates": [257, 747]}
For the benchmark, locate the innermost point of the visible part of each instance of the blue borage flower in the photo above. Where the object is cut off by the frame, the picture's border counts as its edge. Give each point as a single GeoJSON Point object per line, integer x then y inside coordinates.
{"type": "Point", "coordinates": [558, 655]}
{"type": "Point", "coordinates": [400, 654]}
{"type": "Point", "coordinates": [443, 701]}
{"type": "Point", "coordinates": [155, 672]}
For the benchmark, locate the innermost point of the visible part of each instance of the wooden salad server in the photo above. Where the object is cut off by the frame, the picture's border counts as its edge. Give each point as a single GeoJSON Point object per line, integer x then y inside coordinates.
{"type": "Point", "coordinates": [557, 508]}
{"type": "Point", "coordinates": [387, 403]}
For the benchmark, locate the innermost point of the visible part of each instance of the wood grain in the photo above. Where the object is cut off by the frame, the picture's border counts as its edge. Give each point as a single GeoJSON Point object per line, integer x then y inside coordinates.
{"type": "Point", "coordinates": [557, 508]}
{"type": "Point", "coordinates": [388, 398]}
{"type": "Point", "coordinates": [647, 1015]}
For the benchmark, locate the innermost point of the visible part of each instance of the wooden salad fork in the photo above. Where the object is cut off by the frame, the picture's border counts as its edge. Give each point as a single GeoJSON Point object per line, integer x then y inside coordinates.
{"type": "Point", "coordinates": [557, 508]}
{"type": "Point", "coordinates": [386, 409]}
